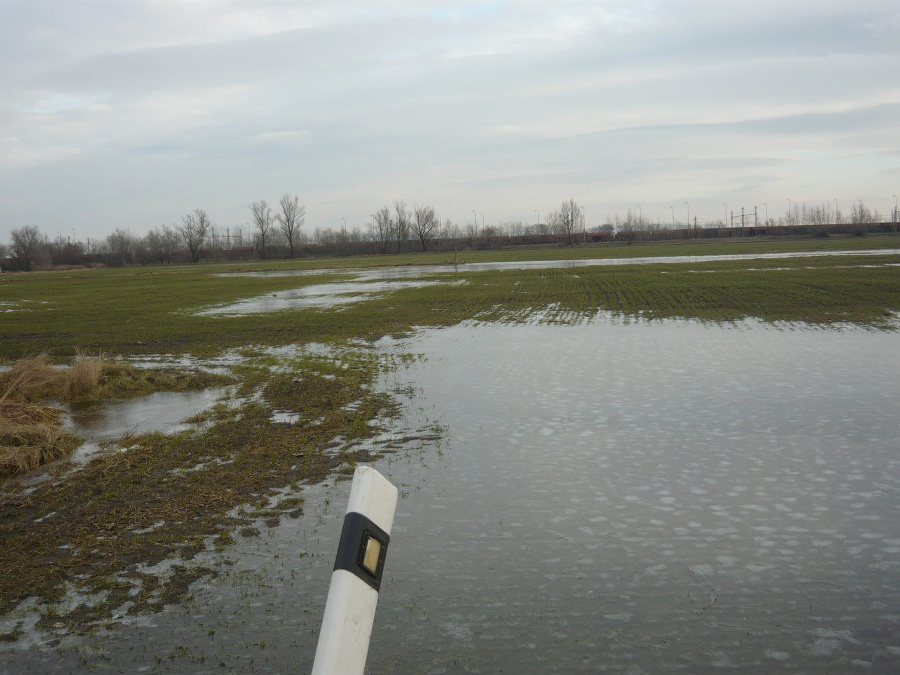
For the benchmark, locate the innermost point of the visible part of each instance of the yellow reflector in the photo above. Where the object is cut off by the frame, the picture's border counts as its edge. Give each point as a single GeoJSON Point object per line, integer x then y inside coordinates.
{"type": "Point", "coordinates": [371, 554]}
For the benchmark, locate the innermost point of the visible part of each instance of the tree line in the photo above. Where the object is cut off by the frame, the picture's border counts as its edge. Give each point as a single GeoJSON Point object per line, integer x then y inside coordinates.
{"type": "Point", "coordinates": [826, 213]}
{"type": "Point", "coordinates": [278, 231]}
{"type": "Point", "coordinates": [161, 244]}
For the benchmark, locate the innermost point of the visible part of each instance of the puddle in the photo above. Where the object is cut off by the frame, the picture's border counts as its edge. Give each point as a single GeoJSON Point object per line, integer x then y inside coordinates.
{"type": "Point", "coordinates": [22, 305]}
{"type": "Point", "coordinates": [401, 272]}
{"type": "Point", "coordinates": [609, 497]}
{"type": "Point", "coordinates": [370, 282]}
{"type": "Point", "coordinates": [225, 362]}
{"type": "Point", "coordinates": [319, 296]}
{"type": "Point", "coordinates": [111, 420]}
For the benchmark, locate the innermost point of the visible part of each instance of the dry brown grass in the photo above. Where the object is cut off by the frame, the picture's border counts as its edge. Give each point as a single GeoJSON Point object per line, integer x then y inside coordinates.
{"type": "Point", "coordinates": [27, 414]}
{"type": "Point", "coordinates": [83, 380]}
{"type": "Point", "coordinates": [29, 380]}
{"type": "Point", "coordinates": [31, 432]}
{"type": "Point", "coordinates": [31, 435]}
{"type": "Point", "coordinates": [27, 448]}
{"type": "Point", "coordinates": [35, 379]}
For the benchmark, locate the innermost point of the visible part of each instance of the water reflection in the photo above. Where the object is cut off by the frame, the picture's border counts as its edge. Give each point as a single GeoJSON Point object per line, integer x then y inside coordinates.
{"type": "Point", "coordinates": [315, 296]}
{"type": "Point", "coordinates": [609, 497]}
{"type": "Point", "coordinates": [651, 499]}
{"type": "Point", "coordinates": [164, 411]}
{"type": "Point", "coordinates": [407, 271]}
{"type": "Point", "coordinates": [370, 282]}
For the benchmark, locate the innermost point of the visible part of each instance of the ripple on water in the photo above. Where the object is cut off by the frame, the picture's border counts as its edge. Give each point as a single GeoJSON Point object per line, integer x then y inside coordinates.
{"type": "Point", "coordinates": [608, 497]}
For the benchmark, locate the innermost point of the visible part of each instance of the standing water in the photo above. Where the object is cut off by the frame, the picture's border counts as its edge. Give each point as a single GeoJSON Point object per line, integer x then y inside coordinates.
{"type": "Point", "coordinates": [608, 497]}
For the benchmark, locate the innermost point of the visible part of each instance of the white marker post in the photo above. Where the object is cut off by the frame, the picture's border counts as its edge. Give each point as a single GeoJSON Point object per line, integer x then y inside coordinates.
{"type": "Point", "coordinates": [358, 567]}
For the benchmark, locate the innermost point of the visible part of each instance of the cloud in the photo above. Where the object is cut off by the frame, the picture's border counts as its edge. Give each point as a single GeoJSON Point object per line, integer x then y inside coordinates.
{"type": "Point", "coordinates": [514, 105]}
{"type": "Point", "coordinates": [290, 136]}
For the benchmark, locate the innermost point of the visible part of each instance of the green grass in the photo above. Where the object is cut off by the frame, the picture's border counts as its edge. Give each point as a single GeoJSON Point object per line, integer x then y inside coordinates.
{"type": "Point", "coordinates": [96, 524]}
{"type": "Point", "coordinates": [152, 310]}
{"type": "Point", "coordinates": [827, 291]}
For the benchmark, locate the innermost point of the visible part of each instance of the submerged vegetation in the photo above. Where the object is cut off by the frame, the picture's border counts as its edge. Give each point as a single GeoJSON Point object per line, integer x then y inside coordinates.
{"type": "Point", "coordinates": [172, 496]}
{"type": "Point", "coordinates": [31, 431]}
{"type": "Point", "coordinates": [155, 311]}
{"type": "Point", "coordinates": [297, 413]}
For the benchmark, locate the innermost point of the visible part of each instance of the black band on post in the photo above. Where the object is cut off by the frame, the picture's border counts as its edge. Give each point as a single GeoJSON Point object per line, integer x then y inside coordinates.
{"type": "Point", "coordinates": [362, 549]}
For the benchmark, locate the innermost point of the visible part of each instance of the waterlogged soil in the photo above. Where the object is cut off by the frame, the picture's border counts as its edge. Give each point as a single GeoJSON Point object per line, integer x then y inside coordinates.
{"type": "Point", "coordinates": [117, 537]}
{"type": "Point", "coordinates": [614, 496]}
{"type": "Point", "coordinates": [619, 495]}
{"type": "Point", "coordinates": [165, 411]}
{"type": "Point", "coordinates": [411, 271]}
{"type": "Point", "coordinates": [315, 296]}
{"type": "Point", "coordinates": [372, 284]}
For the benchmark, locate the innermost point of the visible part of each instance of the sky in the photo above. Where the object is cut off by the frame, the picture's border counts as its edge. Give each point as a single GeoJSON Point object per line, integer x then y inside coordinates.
{"type": "Point", "coordinates": [129, 114]}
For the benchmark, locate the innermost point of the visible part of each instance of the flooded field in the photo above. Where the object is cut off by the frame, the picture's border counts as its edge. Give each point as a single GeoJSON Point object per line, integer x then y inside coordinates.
{"type": "Point", "coordinates": [371, 282]}
{"type": "Point", "coordinates": [408, 271]}
{"type": "Point", "coordinates": [314, 296]}
{"type": "Point", "coordinates": [164, 411]}
{"type": "Point", "coordinates": [632, 497]}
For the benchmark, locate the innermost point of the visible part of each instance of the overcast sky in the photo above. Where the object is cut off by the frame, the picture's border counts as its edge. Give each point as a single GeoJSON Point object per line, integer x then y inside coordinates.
{"type": "Point", "coordinates": [130, 113]}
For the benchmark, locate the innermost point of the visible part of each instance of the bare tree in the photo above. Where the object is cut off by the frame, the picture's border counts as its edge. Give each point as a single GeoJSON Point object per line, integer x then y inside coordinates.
{"type": "Point", "coordinates": [263, 218]}
{"type": "Point", "coordinates": [24, 246]}
{"type": "Point", "coordinates": [818, 214]}
{"type": "Point", "coordinates": [471, 235]}
{"type": "Point", "coordinates": [793, 216]}
{"type": "Point", "coordinates": [539, 228]}
{"type": "Point", "coordinates": [162, 242]}
{"type": "Point", "coordinates": [568, 220]}
{"type": "Point", "coordinates": [356, 235]}
{"type": "Point", "coordinates": [57, 249]}
{"type": "Point", "coordinates": [381, 229]}
{"type": "Point", "coordinates": [122, 243]}
{"type": "Point", "coordinates": [514, 228]}
{"type": "Point", "coordinates": [449, 230]}
{"type": "Point", "coordinates": [326, 238]}
{"type": "Point", "coordinates": [402, 221]}
{"type": "Point", "coordinates": [860, 214]}
{"type": "Point", "coordinates": [292, 217]}
{"type": "Point", "coordinates": [627, 227]}
{"type": "Point", "coordinates": [425, 225]}
{"type": "Point", "coordinates": [193, 230]}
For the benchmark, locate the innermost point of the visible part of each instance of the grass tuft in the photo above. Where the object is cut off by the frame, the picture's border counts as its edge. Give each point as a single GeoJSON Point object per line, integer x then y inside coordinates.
{"type": "Point", "coordinates": [83, 380]}
{"type": "Point", "coordinates": [31, 436]}
{"type": "Point", "coordinates": [28, 379]}
{"type": "Point", "coordinates": [27, 448]}
{"type": "Point", "coordinates": [31, 431]}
